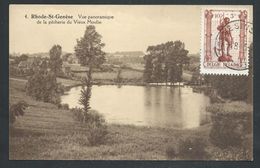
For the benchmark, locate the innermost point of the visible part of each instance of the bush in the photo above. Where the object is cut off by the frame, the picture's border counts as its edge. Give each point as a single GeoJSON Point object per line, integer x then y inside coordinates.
{"type": "Point", "coordinates": [42, 86]}
{"type": "Point", "coordinates": [63, 106]}
{"type": "Point", "coordinates": [96, 133]}
{"type": "Point", "coordinates": [245, 152]}
{"type": "Point", "coordinates": [230, 124]}
{"type": "Point", "coordinates": [16, 110]}
{"type": "Point", "coordinates": [78, 114]}
{"type": "Point", "coordinates": [192, 149]}
{"type": "Point", "coordinates": [95, 124]}
{"type": "Point", "coordinates": [171, 152]}
{"type": "Point", "coordinates": [97, 129]}
{"type": "Point", "coordinates": [94, 117]}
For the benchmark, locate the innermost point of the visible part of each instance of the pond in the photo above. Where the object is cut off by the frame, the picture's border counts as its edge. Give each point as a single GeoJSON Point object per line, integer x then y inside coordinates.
{"type": "Point", "coordinates": [160, 106]}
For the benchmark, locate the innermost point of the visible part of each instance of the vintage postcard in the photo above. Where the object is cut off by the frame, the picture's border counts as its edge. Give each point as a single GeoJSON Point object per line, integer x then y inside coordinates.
{"type": "Point", "coordinates": [130, 82]}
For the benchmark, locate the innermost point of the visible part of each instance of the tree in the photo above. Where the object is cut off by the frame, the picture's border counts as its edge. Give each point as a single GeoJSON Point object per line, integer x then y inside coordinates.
{"type": "Point", "coordinates": [165, 61]}
{"type": "Point", "coordinates": [89, 48]}
{"type": "Point", "coordinates": [66, 56]}
{"type": "Point", "coordinates": [42, 86]}
{"type": "Point", "coordinates": [157, 71]}
{"type": "Point", "coordinates": [43, 65]}
{"type": "Point", "coordinates": [35, 85]}
{"type": "Point", "coordinates": [148, 69]}
{"type": "Point", "coordinates": [89, 52]}
{"type": "Point", "coordinates": [50, 93]}
{"type": "Point", "coordinates": [119, 77]}
{"type": "Point", "coordinates": [17, 110]}
{"type": "Point", "coordinates": [175, 59]}
{"type": "Point", "coordinates": [23, 57]}
{"type": "Point", "coordinates": [55, 59]}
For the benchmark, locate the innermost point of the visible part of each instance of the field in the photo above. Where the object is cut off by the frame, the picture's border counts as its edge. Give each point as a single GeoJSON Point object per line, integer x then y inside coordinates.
{"type": "Point", "coordinates": [125, 74]}
{"type": "Point", "coordinates": [68, 82]}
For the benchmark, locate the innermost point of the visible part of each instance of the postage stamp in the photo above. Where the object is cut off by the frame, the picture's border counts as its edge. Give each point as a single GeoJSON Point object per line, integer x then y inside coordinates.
{"type": "Point", "coordinates": [226, 35]}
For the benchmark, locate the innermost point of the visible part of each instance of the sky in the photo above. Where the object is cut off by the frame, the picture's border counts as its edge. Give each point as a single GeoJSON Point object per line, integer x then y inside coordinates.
{"type": "Point", "coordinates": [133, 28]}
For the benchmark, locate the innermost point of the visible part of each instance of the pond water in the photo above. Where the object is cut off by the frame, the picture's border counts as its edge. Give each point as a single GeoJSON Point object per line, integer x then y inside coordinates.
{"type": "Point", "coordinates": [161, 106]}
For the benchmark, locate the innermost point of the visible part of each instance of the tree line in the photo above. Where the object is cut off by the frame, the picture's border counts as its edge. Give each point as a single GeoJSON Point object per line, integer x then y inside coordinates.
{"type": "Point", "coordinates": [164, 62]}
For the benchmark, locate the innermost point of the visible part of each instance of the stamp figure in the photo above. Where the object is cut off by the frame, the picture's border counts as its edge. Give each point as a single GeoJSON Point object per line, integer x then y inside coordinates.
{"type": "Point", "coordinates": [225, 37]}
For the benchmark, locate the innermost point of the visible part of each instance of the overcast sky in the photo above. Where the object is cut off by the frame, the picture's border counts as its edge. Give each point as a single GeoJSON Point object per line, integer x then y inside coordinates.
{"type": "Point", "coordinates": [133, 28]}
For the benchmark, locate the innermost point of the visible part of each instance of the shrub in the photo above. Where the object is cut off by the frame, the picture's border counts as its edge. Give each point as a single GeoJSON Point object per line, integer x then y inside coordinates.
{"type": "Point", "coordinates": [192, 149]}
{"type": "Point", "coordinates": [231, 122]}
{"type": "Point", "coordinates": [231, 87]}
{"type": "Point", "coordinates": [171, 152]}
{"type": "Point", "coordinates": [63, 106]}
{"type": "Point", "coordinates": [95, 124]}
{"type": "Point", "coordinates": [94, 117]}
{"type": "Point", "coordinates": [97, 128]}
{"type": "Point", "coordinates": [42, 86]}
{"type": "Point", "coordinates": [96, 133]}
{"type": "Point", "coordinates": [17, 110]}
{"type": "Point", "coordinates": [245, 152]}
{"type": "Point", "coordinates": [78, 114]}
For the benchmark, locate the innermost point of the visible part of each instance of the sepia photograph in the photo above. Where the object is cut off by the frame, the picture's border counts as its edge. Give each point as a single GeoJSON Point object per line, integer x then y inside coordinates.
{"type": "Point", "coordinates": [131, 82]}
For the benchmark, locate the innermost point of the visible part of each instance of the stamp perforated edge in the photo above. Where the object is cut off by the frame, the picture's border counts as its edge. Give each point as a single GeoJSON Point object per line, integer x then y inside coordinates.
{"type": "Point", "coordinates": [230, 72]}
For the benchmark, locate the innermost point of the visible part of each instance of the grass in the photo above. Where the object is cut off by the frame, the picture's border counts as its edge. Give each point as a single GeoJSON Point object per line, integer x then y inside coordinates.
{"type": "Point", "coordinates": [125, 74]}
{"type": "Point", "coordinates": [68, 82]}
{"type": "Point", "coordinates": [131, 74]}
{"type": "Point", "coordinates": [128, 77]}
{"type": "Point", "coordinates": [104, 75]}
{"type": "Point", "coordinates": [232, 107]}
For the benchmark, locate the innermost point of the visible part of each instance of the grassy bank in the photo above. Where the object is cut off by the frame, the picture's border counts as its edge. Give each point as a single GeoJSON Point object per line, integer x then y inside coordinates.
{"type": "Point", "coordinates": [46, 132]}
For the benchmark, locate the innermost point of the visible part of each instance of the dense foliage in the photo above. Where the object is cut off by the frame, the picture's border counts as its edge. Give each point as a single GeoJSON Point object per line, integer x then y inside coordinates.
{"type": "Point", "coordinates": [231, 123]}
{"type": "Point", "coordinates": [55, 59]}
{"type": "Point", "coordinates": [94, 122]}
{"type": "Point", "coordinates": [86, 95]}
{"type": "Point", "coordinates": [16, 110]}
{"type": "Point", "coordinates": [191, 148]}
{"type": "Point", "coordinates": [164, 62]}
{"type": "Point", "coordinates": [89, 48]}
{"type": "Point", "coordinates": [89, 52]}
{"type": "Point", "coordinates": [22, 57]}
{"type": "Point", "coordinates": [42, 85]}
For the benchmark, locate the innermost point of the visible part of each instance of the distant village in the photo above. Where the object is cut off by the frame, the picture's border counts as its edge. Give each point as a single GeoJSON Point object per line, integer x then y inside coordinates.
{"type": "Point", "coordinates": [70, 64]}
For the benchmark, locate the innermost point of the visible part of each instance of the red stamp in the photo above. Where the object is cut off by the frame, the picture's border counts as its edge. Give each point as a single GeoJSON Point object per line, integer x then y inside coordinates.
{"type": "Point", "coordinates": [225, 39]}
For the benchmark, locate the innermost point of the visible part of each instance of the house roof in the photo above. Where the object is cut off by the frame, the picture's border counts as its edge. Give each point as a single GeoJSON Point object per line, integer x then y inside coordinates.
{"type": "Point", "coordinates": [23, 64]}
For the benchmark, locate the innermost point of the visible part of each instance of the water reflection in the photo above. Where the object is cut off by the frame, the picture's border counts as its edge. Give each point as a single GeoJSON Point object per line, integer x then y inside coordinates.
{"type": "Point", "coordinates": [177, 107]}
